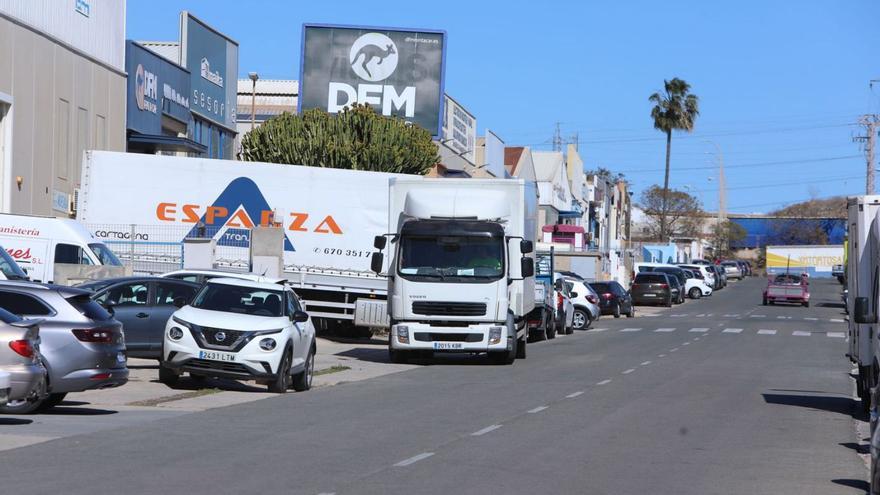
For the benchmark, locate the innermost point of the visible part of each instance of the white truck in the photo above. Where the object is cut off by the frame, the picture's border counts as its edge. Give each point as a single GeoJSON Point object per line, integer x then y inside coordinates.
{"type": "Point", "coordinates": [459, 278]}
{"type": "Point", "coordinates": [862, 282]}
{"type": "Point", "coordinates": [143, 206]}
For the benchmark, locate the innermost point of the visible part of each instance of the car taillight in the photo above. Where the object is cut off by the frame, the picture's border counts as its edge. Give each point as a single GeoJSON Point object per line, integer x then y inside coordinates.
{"type": "Point", "coordinates": [96, 335]}
{"type": "Point", "coordinates": [664, 286]}
{"type": "Point", "coordinates": [593, 299]}
{"type": "Point", "coordinates": [559, 300]}
{"type": "Point", "coordinates": [23, 348]}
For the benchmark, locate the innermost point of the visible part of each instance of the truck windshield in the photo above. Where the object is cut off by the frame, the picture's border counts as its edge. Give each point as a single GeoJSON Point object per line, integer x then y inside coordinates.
{"type": "Point", "coordinates": [10, 268]}
{"type": "Point", "coordinates": [105, 256]}
{"type": "Point", "coordinates": [451, 257]}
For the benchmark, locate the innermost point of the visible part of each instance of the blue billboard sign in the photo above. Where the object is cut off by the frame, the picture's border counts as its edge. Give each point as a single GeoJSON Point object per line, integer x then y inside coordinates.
{"type": "Point", "coordinates": [212, 59]}
{"type": "Point", "coordinates": [155, 87]}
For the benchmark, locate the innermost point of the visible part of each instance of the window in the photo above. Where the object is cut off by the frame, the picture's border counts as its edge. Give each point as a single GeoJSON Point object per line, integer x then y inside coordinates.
{"type": "Point", "coordinates": [71, 254]}
{"type": "Point", "coordinates": [88, 308]}
{"type": "Point", "coordinates": [167, 292]}
{"type": "Point", "coordinates": [125, 295]}
{"type": "Point", "coordinates": [10, 268]}
{"type": "Point", "coordinates": [105, 255]}
{"type": "Point", "coordinates": [7, 317]}
{"type": "Point", "coordinates": [292, 305]}
{"type": "Point", "coordinates": [237, 299]}
{"type": "Point", "coordinates": [23, 304]}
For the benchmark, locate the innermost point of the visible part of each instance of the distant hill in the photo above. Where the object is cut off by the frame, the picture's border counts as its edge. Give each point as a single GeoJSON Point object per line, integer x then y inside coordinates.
{"type": "Point", "coordinates": [827, 208]}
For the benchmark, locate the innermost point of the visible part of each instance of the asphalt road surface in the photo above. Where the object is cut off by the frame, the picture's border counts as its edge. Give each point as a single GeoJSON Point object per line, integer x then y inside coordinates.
{"type": "Point", "coordinates": [718, 396]}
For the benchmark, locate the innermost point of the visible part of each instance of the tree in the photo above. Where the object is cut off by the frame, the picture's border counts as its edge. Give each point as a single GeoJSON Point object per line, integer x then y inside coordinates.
{"type": "Point", "coordinates": [725, 234]}
{"type": "Point", "coordinates": [357, 139]}
{"type": "Point", "coordinates": [678, 211]}
{"type": "Point", "coordinates": [833, 207]}
{"type": "Point", "coordinates": [675, 109]}
{"type": "Point", "coordinates": [604, 173]}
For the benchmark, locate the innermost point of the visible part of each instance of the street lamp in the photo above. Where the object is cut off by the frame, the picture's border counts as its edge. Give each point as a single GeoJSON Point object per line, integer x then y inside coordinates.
{"type": "Point", "coordinates": [254, 76]}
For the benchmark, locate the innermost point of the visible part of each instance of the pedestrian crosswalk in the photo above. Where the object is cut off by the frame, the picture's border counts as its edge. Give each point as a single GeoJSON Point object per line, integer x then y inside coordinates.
{"type": "Point", "coordinates": [756, 316]}
{"type": "Point", "coordinates": [731, 330]}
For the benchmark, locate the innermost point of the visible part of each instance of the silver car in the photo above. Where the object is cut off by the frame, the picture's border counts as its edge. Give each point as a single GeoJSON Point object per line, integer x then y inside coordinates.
{"type": "Point", "coordinates": [83, 347]}
{"type": "Point", "coordinates": [20, 357]}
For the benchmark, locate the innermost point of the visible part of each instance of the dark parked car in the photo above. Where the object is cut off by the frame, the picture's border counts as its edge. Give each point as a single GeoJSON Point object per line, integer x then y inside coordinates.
{"type": "Point", "coordinates": [653, 288]}
{"type": "Point", "coordinates": [679, 281]}
{"type": "Point", "coordinates": [614, 299]}
{"type": "Point", "coordinates": [720, 277]}
{"type": "Point", "coordinates": [143, 306]}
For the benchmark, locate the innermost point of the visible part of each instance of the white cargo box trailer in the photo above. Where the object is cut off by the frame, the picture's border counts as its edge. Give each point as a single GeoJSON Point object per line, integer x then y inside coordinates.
{"type": "Point", "coordinates": [144, 206]}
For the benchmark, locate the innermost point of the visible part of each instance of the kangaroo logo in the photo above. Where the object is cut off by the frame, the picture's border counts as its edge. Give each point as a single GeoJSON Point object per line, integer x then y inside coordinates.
{"type": "Point", "coordinates": [373, 57]}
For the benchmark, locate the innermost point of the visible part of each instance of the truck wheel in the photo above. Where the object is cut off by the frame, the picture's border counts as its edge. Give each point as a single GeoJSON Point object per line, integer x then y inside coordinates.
{"type": "Point", "coordinates": [504, 357]}
{"type": "Point", "coordinates": [303, 380]}
{"type": "Point", "coordinates": [281, 383]}
{"type": "Point", "coordinates": [696, 293]}
{"type": "Point", "coordinates": [397, 357]}
{"type": "Point", "coordinates": [550, 329]}
{"type": "Point", "coordinates": [168, 376]}
{"type": "Point", "coordinates": [521, 348]}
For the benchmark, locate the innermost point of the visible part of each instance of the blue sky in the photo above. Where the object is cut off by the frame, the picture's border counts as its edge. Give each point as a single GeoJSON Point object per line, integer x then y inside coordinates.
{"type": "Point", "coordinates": [781, 83]}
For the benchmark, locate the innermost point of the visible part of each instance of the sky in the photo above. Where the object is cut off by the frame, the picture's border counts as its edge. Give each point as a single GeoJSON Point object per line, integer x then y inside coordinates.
{"type": "Point", "coordinates": [781, 84]}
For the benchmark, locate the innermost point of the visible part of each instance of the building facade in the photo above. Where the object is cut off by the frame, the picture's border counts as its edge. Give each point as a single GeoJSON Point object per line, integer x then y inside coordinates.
{"type": "Point", "coordinates": [62, 91]}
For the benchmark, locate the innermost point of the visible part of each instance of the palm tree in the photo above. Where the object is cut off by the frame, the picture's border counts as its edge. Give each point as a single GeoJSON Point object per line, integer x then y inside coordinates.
{"type": "Point", "coordinates": [675, 109]}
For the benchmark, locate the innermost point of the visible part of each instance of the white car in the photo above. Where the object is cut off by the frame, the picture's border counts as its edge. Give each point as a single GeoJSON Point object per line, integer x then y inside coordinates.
{"type": "Point", "coordinates": [201, 276]}
{"type": "Point", "coordinates": [244, 330]}
{"type": "Point", "coordinates": [585, 301]}
{"type": "Point", "coordinates": [708, 275]}
{"type": "Point", "coordinates": [694, 286]}
{"type": "Point", "coordinates": [564, 306]}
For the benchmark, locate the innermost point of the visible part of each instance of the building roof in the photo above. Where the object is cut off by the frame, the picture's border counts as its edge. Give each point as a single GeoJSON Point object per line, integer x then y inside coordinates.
{"type": "Point", "coordinates": [169, 50]}
{"type": "Point", "coordinates": [547, 165]}
{"type": "Point", "coordinates": [511, 158]}
{"type": "Point", "coordinates": [269, 87]}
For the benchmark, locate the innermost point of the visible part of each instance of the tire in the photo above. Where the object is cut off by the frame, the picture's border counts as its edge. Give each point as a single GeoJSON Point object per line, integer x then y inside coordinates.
{"type": "Point", "coordinates": [668, 303]}
{"type": "Point", "coordinates": [581, 320]}
{"type": "Point", "coordinates": [281, 382]}
{"type": "Point", "coordinates": [22, 407]}
{"type": "Point", "coordinates": [505, 358]}
{"type": "Point", "coordinates": [521, 348]}
{"type": "Point", "coordinates": [807, 304]}
{"type": "Point", "coordinates": [616, 311]}
{"type": "Point", "coordinates": [765, 302]}
{"type": "Point", "coordinates": [695, 293]}
{"type": "Point", "coordinates": [51, 401]}
{"type": "Point", "coordinates": [303, 380]}
{"type": "Point", "coordinates": [632, 311]}
{"type": "Point", "coordinates": [168, 376]}
{"type": "Point", "coordinates": [550, 328]}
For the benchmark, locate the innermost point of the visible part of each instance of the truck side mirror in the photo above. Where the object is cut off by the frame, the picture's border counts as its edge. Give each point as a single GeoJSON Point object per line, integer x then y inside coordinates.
{"type": "Point", "coordinates": [526, 247]}
{"type": "Point", "coordinates": [527, 267]}
{"type": "Point", "coordinates": [376, 262]}
{"type": "Point", "coordinates": [379, 242]}
{"type": "Point", "coordinates": [862, 313]}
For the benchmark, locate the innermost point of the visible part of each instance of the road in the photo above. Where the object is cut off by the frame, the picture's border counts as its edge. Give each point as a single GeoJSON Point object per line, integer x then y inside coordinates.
{"type": "Point", "coordinates": [718, 396]}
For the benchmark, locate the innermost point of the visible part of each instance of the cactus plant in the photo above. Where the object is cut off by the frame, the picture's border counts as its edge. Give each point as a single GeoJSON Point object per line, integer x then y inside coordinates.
{"type": "Point", "coordinates": [357, 139]}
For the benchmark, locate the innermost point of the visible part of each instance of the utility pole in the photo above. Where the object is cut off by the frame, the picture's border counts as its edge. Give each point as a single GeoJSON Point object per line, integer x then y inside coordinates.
{"type": "Point", "coordinates": [557, 139]}
{"type": "Point", "coordinates": [254, 77]}
{"type": "Point", "coordinates": [722, 191]}
{"type": "Point", "coordinates": [870, 122]}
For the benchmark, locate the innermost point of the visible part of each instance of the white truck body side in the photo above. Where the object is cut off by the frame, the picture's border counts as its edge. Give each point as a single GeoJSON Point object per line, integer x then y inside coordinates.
{"type": "Point", "coordinates": [861, 279]}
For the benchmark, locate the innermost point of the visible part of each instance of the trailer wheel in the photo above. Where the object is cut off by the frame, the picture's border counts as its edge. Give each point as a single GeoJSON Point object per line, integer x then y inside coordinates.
{"type": "Point", "coordinates": [521, 348]}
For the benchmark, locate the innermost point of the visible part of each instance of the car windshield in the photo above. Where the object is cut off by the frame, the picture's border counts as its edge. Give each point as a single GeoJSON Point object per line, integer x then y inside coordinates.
{"type": "Point", "coordinates": [787, 279]}
{"type": "Point", "coordinates": [458, 257]}
{"type": "Point", "coordinates": [236, 299]}
{"type": "Point", "coordinates": [10, 268]}
{"type": "Point", "coordinates": [105, 256]}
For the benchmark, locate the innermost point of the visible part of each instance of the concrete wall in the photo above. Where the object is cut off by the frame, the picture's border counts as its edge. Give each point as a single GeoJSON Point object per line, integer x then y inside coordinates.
{"type": "Point", "coordinates": [60, 102]}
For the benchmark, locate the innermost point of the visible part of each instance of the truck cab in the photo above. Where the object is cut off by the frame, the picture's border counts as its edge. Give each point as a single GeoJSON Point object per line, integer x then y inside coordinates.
{"type": "Point", "coordinates": [459, 279]}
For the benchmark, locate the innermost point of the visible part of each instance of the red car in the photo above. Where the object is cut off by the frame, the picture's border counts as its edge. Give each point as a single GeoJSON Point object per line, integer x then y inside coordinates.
{"type": "Point", "coordinates": [787, 287]}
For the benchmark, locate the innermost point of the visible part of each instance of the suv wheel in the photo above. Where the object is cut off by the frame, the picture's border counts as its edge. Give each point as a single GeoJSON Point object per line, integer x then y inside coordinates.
{"type": "Point", "coordinates": [696, 293]}
{"type": "Point", "coordinates": [581, 319]}
{"type": "Point", "coordinates": [282, 379]}
{"type": "Point", "coordinates": [303, 380]}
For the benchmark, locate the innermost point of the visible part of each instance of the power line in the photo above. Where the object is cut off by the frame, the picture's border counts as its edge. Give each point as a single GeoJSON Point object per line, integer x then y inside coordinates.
{"type": "Point", "coordinates": [758, 164]}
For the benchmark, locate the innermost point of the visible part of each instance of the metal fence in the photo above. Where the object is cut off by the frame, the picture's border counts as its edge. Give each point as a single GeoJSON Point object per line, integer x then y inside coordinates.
{"type": "Point", "coordinates": [154, 249]}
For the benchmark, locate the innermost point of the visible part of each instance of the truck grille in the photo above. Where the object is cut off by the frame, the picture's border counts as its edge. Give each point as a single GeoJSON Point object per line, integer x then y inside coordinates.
{"type": "Point", "coordinates": [448, 337]}
{"type": "Point", "coordinates": [440, 308]}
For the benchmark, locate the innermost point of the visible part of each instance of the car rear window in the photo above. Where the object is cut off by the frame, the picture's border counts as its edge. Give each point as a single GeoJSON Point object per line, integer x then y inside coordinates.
{"type": "Point", "coordinates": [90, 309]}
{"type": "Point", "coordinates": [650, 278]}
{"type": "Point", "coordinates": [601, 287]}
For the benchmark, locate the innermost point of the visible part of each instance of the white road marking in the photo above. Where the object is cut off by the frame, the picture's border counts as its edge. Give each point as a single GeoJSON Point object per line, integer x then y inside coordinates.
{"type": "Point", "coordinates": [661, 355]}
{"type": "Point", "coordinates": [485, 430]}
{"type": "Point", "coordinates": [836, 335]}
{"type": "Point", "coordinates": [709, 315]}
{"type": "Point", "coordinates": [732, 330]}
{"type": "Point", "coordinates": [836, 320]}
{"type": "Point", "coordinates": [604, 382]}
{"type": "Point", "coordinates": [783, 317]}
{"type": "Point", "coordinates": [812, 319]}
{"type": "Point", "coordinates": [598, 330]}
{"type": "Point", "coordinates": [766, 332]}
{"type": "Point", "coordinates": [686, 343]}
{"type": "Point", "coordinates": [327, 493]}
{"type": "Point", "coordinates": [732, 316]}
{"type": "Point", "coordinates": [758, 316]}
{"type": "Point", "coordinates": [646, 363]}
{"type": "Point", "coordinates": [572, 396]}
{"type": "Point", "coordinates": [698, 330]}
{"type": "Point", "coordinates": [696, 339]}
{"type": "Point", "coordinates": [677, 316]}
{"type": "Point", "coordinates": [414, 459]}
{"type": "Point", "coordinates": [631, 330]}
{"type": "Point", "coordinates": [626, 372]}
{"type": "Point", "coordinates": [700, 315]}
{"type": "Point", "coordinates": [536, 410]}
{"type": "Point", "coordinates": [673, 349]}
{"type": "Point", "coordinates": [801, 333]}
{"type": "Point", "coordinates": [665, 330]}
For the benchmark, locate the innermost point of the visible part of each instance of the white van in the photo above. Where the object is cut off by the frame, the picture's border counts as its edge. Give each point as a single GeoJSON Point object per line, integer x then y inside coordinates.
{"type": "Point", "coordinates": [38, 244]}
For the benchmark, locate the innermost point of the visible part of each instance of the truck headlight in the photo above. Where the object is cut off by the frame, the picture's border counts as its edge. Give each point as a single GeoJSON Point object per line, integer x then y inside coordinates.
{"type": "Point", "coordinates": [495, 335]}
{"type": "Point", "coordinates": [175, 333]}
{"type": "Point", "coordinates": [402, 334]}
{"type": "Point", "coordinates": [267, 344]}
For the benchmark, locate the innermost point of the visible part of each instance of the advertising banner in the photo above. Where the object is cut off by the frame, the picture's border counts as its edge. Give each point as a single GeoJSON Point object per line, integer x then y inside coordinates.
{"type": "Point", "coordinates": [397, 71]}
{"type": "Point", "coordinates": [816, 261]}
{"type": "Point", "coordinates": [329, 216]}
{"type": "Point", "coordinates": [459, 129]}
{"type": "Point", "coordinates": [212, 59]}
{"type": "Point", "coordinates": [155, 87]}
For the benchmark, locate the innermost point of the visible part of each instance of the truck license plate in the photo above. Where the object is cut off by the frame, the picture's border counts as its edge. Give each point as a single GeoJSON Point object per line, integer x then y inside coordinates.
{"type": "Point", "coordinates": [217, 356]}
{"type": "Point", "coordinates": [441, 346]}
